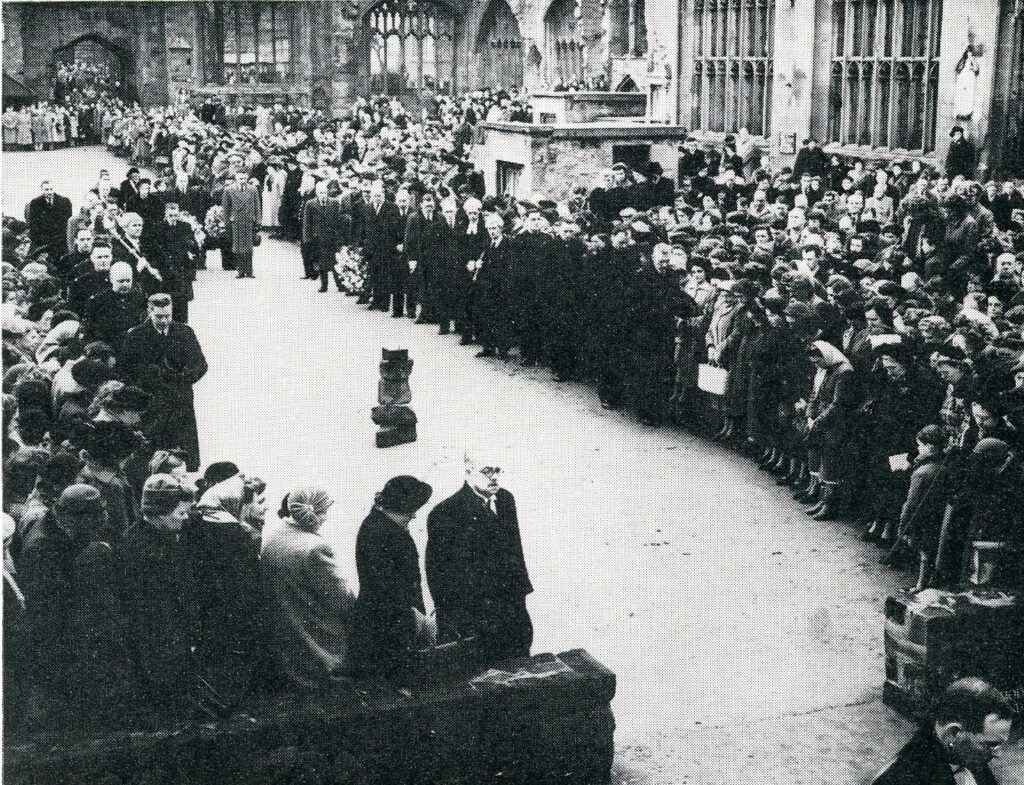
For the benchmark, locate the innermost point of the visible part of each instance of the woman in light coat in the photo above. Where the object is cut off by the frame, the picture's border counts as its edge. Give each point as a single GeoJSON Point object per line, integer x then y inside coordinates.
{"type": "Point", "coordinates": [310, 600]}
{"type": "Point", "coordinates": [273, 190]}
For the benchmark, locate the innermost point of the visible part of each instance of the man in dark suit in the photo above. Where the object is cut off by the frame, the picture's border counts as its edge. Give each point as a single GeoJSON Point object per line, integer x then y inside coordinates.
{"type": "Point", "coordinates": [426, 237]}
{"type": "Point", "coordinates": [532, 252]}
{"type": "Point", "coordinates": [173, 253]}
{"type": "Point", "coordinates": [68, 265]}
{"type": "Point", "coordinates": [389, 615]}
{"type": "Point", "coordinates": [92, 280]}
{"type": "Point", "coordinates": [971, 723]}
{"type": "Point", "coordinates": [492, 292]}
{"type": "Point", "coordinates": [163, 357]}
{"type": "Point", "coordinates": [382, 233]}
{"type": "Point", "coordinates": [656, 190]}
{"type": "Point", "coordinates": [110, 314]}
{"type": "Point", "coordinates": [47, 216]}
{"type": "Point", "coordinates": [472, 240]}
{"type": "Point", "coordinates": [475, 567]}
{"type": "Point", "coordinates": [323, 230]}
{"type": "Point", "coordinates": [810, 159]}
{"type": "Point", "coordinates": [403, 300]}
{"type": "Point", "coordinates": [451, 270]}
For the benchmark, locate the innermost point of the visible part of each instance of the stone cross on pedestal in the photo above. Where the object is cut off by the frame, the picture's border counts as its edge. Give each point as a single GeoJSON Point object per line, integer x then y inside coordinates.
{"type": "Point", "coordinates": [395, 420]}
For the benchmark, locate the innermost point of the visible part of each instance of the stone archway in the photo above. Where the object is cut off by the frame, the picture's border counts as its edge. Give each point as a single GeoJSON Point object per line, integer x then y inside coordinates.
{"type": "Point", "coordinates": [102, 54]}
{"type": "Point", "coordinates": [500, 47]}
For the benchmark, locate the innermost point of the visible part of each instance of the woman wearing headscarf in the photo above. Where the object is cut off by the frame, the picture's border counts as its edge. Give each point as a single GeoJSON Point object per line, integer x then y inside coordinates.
{"type": "Point", "coordinates": [310, 600]}
{"type": "Point", "coordinates": [829, 417]}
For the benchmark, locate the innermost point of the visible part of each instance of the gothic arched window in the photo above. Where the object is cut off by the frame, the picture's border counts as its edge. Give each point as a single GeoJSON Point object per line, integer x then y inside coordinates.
{"type": "Point", "coordinates": [412, 47]}
{"type": "Point", "coordinates": [253, 41]}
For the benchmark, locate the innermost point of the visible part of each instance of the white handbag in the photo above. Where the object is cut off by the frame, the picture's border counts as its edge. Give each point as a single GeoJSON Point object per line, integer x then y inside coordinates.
{"type": "Point", "coordinates": [712, 379]}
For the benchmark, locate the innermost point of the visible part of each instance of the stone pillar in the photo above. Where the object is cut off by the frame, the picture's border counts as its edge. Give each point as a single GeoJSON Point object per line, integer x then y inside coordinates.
{"type": "Point", "coordinates": [974, 25]}
{"type": "Point", "coordinates": [347, 55]}
{"type": "Point", "coordinates": [801, 68]}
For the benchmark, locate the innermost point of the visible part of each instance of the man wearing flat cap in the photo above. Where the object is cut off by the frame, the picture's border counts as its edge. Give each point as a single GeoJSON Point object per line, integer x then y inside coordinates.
{"type": "Point", "coordinates": [389, 618]}
{"type": "Point", "coordinates": [475, 566]}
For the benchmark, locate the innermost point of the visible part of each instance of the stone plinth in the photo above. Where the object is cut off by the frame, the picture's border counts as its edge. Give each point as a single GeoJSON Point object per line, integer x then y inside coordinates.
{"type": "Point", "coordinates": [555, 729]}
{"type": "Point", "coordinates": [554, 159]}
{"type": "Point", "coordinates": [586, 107]}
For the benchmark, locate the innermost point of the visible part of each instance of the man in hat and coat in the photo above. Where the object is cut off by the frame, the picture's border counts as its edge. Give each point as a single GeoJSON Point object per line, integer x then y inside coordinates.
{"type": "Point", "coordinates": [389, 617]}
{"type": "Point", "coordinates": [475, 567]}
{"type": "Point", "coordinates": [164, 358]}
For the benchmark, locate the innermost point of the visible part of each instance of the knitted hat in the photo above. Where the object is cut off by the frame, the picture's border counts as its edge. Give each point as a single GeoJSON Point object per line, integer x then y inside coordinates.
{"type": "Point", "coordinates": [404, 494]}
{"type": "Point", "coordinates": [79, 501]}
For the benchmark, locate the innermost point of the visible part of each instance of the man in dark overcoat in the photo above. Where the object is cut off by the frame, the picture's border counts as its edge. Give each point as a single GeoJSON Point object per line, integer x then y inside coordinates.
{"type": "Point", "coordinates": [492, 292]}
{"type": "Point", "coordinates": [472, 239]}
{"type": "Point", "coordinates": [382, 232]}
{"type": "Point", "coordinates": [174, 252]}
{"type": "Point", "coordinates": [403, 299]}
{"type": "Point", "coordinates": [389, 613]}
{"type": "Point", "coordinates": [426, 238]}
{"type": "Point", "coordinates": [47, 216]}
{"type": "Point", "coordinates": [322, 233]}
{"type": "Point", "coordinates": [531, 255]}
{"type": "Point", "coordinates": [111, 313]}
{"type": "Point", "coordinates": [475, 567]}
{"type": "Point", "coordinates": [241, 203]}
{"type": "Point", "coordinates": [164, 358]}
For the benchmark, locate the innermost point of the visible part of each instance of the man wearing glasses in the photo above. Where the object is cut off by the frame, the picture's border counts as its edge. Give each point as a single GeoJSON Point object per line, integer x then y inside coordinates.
{"type": "Point", "coordinates": [475, 567]}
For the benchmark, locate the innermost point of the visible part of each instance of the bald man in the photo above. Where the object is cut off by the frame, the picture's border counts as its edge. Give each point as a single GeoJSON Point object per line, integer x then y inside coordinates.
{"type": "Point", "coordinates": [475, 566]}
{"type": "Point", "coordinates": [111, 313]}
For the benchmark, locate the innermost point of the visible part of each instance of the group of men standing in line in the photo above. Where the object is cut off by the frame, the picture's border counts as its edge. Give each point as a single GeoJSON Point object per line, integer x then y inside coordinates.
{"type": "Point", "coordinates": [440, 261]}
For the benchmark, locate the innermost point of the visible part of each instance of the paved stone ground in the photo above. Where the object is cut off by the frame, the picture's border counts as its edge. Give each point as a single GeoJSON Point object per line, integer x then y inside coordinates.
{"type": "Point", "coordinates": [747, 639]}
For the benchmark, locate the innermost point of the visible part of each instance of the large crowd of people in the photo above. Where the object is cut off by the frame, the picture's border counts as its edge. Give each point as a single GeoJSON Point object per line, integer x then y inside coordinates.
{"type": "Point", "coordinates": [856, 328]}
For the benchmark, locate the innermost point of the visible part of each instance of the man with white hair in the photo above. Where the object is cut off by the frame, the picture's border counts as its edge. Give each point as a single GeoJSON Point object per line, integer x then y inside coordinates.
{"type": "Point", "coordinates": [475, 566]}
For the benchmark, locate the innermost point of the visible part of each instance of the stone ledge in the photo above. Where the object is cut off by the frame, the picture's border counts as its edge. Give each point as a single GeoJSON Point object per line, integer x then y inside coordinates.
{"type": "Point", "coordinates": [558, 729]}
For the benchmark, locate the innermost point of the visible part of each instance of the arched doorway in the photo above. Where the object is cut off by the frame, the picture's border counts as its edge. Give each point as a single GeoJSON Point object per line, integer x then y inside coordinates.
{"type": "Point", "coordinates": [412, 48]}
{"type": "Point", "coordinates": [500, 46]}
{"type": "Point", "coordinates": [563, 43]}
{"type": "Point", "coordinates": [91, 66]}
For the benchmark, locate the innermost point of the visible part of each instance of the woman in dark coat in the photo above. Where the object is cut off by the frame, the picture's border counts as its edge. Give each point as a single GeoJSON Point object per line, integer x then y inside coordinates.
{"type": "Point", "coordinates": [766, 386]}
{"type": "Point", "coordinates": [903, 398]}
{"type": "Point", "coordinates": [830, 414]}
{"type": "Point", "coordinates": [389, 614]}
